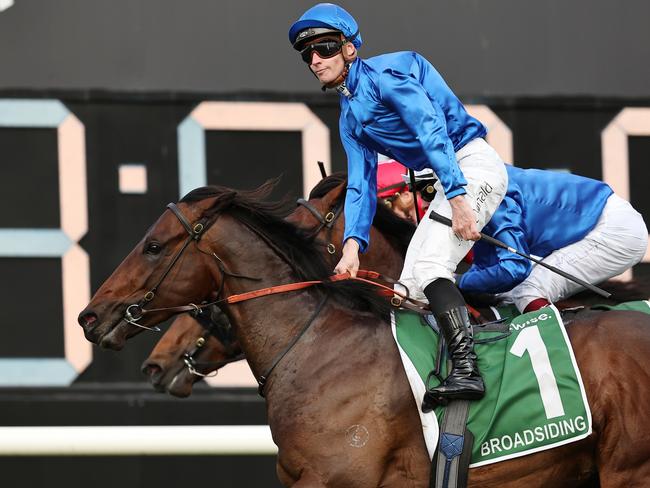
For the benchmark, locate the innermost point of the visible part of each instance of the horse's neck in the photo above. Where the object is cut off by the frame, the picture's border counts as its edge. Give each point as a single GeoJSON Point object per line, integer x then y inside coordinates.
{"type": "Point", "coordinates": [382, 256]}
{"type": "Point", "coordinates": [268, 327]}
{"type": "Point", "coordinates": [265, 325]}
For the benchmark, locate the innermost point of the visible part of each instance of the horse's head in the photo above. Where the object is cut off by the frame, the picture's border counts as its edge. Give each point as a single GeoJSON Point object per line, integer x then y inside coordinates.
{"type": "Point", "coordinates": [322, 215]}
{"type": "Point", "coordinates": [175, 265]}
{"type": "Point", "coordinates": [190, 350]}
{"type": "Point", "coordinates": [167, 267]}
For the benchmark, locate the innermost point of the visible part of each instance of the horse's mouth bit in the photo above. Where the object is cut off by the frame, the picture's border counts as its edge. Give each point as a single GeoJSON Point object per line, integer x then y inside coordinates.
{"type": "Point", "coordinates": [190, 366]}
{"type": "Point", "coordinates": [131, 319]}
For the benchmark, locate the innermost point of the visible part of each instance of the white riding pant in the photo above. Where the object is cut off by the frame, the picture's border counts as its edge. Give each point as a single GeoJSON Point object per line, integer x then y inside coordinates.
{"type": "Point", "coordinates": [617, 243]}
{"type": "Point", "coordinates": [435, 251]}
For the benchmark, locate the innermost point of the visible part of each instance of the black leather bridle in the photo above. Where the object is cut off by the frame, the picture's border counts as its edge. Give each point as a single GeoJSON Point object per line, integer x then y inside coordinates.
{"type": "Point", "coordinates": [136, 311]}
{"type": "Point", "coordinates": [214, 324]}
{"type": "Point", "coordinates": [195, 232]}
{"type": "Point", "coordinates": [325, 221]}
{"type": "Point", "coordinates": [221, 329]}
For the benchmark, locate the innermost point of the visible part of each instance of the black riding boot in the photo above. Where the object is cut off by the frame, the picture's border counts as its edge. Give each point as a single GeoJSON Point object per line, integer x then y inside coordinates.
{"type": "Point", "coordinates": [464, 382]}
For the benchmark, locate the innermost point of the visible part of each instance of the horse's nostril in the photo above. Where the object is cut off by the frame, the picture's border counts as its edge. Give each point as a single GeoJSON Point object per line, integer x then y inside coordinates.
{"type": "Point", "coordinates": [86, 319]}
{"type": "Point", "coordinates": [150, 368]}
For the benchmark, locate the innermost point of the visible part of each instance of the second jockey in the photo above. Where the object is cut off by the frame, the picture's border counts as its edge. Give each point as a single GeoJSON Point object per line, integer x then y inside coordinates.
{"type": "Point", "coordinates": [394, 192]}
{"type": "Point", "coordinates": [397, 104]}
{"type": "Point", "coordinates": [576, 224]}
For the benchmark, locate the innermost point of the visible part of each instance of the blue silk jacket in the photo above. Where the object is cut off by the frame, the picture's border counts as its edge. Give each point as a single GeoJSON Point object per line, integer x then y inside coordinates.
{"type": "Point", "coordinates": [401, 107]}
{"type": "Point", "coordinates": [543, 211]}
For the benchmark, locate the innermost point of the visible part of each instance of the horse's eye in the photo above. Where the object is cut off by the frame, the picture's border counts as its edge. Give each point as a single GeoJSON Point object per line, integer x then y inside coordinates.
{"type": "Point", "coordinates": [153, 248]}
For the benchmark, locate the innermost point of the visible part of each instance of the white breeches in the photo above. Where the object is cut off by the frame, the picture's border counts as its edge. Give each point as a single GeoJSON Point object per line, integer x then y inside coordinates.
{"type": "Point", "coordinates": [435, 251]}
{"type": "Point", "coordinates": [617, 243]}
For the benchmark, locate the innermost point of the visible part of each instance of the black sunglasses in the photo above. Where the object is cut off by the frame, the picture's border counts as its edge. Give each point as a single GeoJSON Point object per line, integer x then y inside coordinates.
{"type": "Point", "coordinates": [325, 49]}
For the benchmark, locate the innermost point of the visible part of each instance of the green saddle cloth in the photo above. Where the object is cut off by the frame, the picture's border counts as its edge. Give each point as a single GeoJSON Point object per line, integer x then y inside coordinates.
{"type": "Point", "coordinates": [535, 399]}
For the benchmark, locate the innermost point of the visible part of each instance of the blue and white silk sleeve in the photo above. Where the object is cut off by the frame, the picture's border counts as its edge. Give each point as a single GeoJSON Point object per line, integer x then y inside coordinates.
{"type": "Point", "coordinates": [361, 197]}
{"type": "Point", "coordinates": [425, 120]}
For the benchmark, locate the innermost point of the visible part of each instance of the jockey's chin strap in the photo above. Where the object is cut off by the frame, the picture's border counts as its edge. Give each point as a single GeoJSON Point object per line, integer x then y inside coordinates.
{"type": "Point", "coordinates": [338, 84]}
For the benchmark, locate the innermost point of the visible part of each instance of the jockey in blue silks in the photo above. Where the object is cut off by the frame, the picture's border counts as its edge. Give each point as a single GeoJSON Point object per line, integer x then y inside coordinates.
{"type": "Point", "coordinates": [399, 105]}
{"type": "Point", "coordinates": [575, 223]}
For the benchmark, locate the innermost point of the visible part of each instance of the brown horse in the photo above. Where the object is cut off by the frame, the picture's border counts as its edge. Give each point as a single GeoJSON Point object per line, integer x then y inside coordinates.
{"type": "Point", "coordinates": [190, 350]}
{"type": "Point", "coordinates": [337, 368]}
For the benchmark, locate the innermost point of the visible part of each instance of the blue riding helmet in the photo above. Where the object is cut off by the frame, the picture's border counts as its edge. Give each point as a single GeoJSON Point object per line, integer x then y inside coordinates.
{"type": "Point", "coordinates": [326, 16]}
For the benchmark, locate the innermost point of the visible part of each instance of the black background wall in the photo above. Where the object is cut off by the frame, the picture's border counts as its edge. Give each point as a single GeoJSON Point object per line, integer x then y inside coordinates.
{"type": "Point", "coordinates": [496, 47]}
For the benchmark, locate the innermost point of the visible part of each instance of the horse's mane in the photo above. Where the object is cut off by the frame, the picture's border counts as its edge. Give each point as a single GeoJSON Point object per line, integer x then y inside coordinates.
{"type": "Point", "coordinates": [292, 244]}
{"type": "Point", "coordinates": [253, 201]}
{"type": "Point", "coordinates": [396, 229]}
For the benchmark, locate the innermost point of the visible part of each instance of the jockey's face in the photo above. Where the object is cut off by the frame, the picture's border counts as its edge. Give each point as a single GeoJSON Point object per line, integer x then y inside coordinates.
{"type": "Point", "coordinates": [403, 206]}
{"type": "Point", "coordinates": [329, 69]}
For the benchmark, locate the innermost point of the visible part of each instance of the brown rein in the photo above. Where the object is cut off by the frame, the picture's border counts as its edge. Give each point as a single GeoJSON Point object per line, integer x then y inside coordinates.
{"type": "Point", "coordinates": [398, 299]}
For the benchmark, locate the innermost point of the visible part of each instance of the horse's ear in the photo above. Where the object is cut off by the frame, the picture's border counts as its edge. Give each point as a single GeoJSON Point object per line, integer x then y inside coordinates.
{"type": "Point", "coordinates": [336, 193]}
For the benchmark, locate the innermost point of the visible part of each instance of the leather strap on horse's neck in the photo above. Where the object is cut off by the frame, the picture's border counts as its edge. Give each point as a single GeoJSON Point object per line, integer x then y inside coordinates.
{"type": "Point", "coordinates": [399, 299]}
{"type": "Point", "coordinates": [261, 381]}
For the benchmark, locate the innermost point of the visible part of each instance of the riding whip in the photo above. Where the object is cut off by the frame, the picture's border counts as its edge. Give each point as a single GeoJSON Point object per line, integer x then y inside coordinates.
{"type": "Point", "coordinates": [496, 242]}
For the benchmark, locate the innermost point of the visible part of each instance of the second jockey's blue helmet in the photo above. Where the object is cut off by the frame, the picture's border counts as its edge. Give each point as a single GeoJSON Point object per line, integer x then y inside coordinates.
{"type": "Point", "coordinates": [315, 21]}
